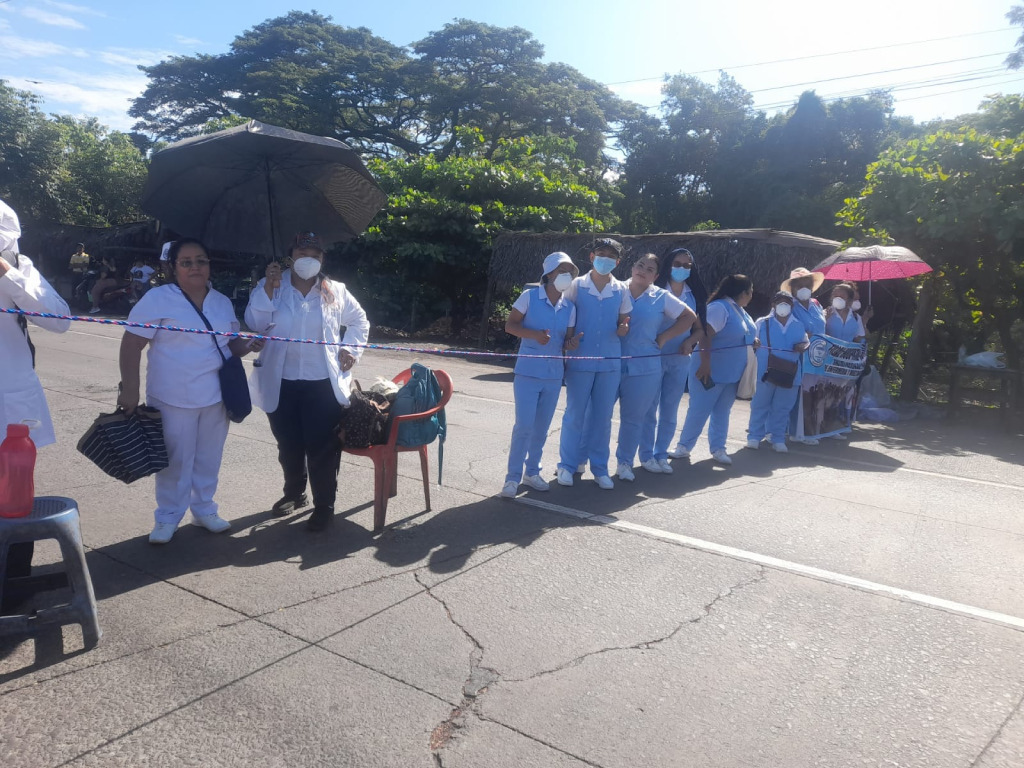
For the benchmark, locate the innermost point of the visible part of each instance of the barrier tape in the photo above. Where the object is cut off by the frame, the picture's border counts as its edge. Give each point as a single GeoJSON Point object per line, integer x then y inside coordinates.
{"type": "Point", "coordinates": [384, 347]}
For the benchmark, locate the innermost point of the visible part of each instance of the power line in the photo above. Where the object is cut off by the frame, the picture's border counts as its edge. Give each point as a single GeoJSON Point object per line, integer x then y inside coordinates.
{"type": "Point", "coordinates": [817, 56]}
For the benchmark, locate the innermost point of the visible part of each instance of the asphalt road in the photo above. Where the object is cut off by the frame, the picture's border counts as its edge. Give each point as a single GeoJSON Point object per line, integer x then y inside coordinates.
{"type": "Point", "coordinates": [854, 604]}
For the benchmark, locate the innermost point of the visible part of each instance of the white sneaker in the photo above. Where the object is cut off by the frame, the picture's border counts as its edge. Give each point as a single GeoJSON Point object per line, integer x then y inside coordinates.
{"type": "Point", "coordinates": [838, 436]}
{"type": "Point", "coordinates": [780, 448]}
{"type": "Point", "coordinates": [679, 452]}
{"type": "Point", "coordinates": [95, 311]}
{"type": "Point", "coordinates": [581, 468]}
{"type": "Point", "coordinates": [537, 482]}
{"type": "Point", "coordinates": [721, 457]}
{"type": "Point", "coordinates": [808, 440]}
{"type": "Point", "coordinates": [665, 466]}
{"type": "Point", "coordinates": [753, 444]}
{"type": "Point", "coordinates": [162, 533]}
{"type": "Point", "coordinates": [564, 477]}
{"type": "Point", "coordinates": [653, 465]}
{"type": "Point", "coordinates": [509, 490]}
{"type": "Point", "coordinates": [605, 483]}
{"type": "Point", "coordinates": [625, 472]}
{"type": "Point", "coordinates": [213, 523]}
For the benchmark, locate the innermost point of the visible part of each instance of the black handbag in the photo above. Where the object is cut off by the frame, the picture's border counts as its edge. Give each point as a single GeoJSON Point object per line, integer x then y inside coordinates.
{"type": "Point", "coordinates": [780, 372]}
{"type": "Point", "coordinates": [126, 447]}
{"type": "Point", "coordinates": [234, 386]}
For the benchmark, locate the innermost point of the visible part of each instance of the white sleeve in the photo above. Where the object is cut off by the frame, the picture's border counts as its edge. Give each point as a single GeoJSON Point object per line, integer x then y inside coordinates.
{"type": "Point", "coordinates": [259, 312]}
{"type": "Point", "coordinates": [150, 310]}
{"type": "Point", "coordinates": [29, 291]}
{"type": "Point", "coordinates": [627, 302]}
{"type": "Point", "coordinates": [860, 326]}
{"type": "Point", "coordinates": [573, 289]}
{"type": "Point", "coordinates": [673, 306]}
{"type": "Point", "coordinates": [357, 326]}
{"type": "Point", "coordinates": [717, 315]}
{"type": "Point", "coordinates": [572, 317]}
{"type": "Point", "coordinates": [523, 302]}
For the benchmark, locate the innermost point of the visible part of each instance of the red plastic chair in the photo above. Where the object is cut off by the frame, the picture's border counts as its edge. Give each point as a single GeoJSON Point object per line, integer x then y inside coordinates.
{"type": "Point", "coordinates": [385, 457]}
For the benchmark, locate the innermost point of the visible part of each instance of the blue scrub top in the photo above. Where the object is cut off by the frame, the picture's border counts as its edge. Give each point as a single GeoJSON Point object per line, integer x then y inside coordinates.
{"type": "Point", "coordinates": [540, 315]}
{"type": "Point", "coordinates": [783, 337]}
{"type": "Point", "coordinates": [813, 318]}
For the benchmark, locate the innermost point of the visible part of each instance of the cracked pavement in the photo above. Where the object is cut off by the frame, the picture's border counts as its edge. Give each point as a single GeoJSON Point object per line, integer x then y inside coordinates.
{"type": "Point", "coordinates": [493, 634]}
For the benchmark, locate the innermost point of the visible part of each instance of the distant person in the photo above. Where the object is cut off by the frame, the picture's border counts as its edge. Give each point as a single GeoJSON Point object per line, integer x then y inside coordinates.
{"type": "Point", "coordinates": [841, 321]}
{"type": "Point", "coordinates": [106, 279]}
{"type": "Point", "coordinates": [658, 317]}
{"type": "Point", "coordinates": [723, 358]}
{"type": "Point", "coordinates": [21, 394]}
{"type": "Point", "coordinates": [591, 385]}
{"type": "Point", "coordinates": [165, 267]}
{"type": "Point", "coordinates": [304, 387]}
{"type": "Point", "coordinates": [540, 317]}
{"type": "Point", "coordinates": [79, 262]}
{"type": "Point", "coordinates": [183, 384]}
{"type": "Point", "coordinates": [802, 284]}
{"type": "Point", "coordinates": [679, 275]}
{"type": "Point", "coordinates": [783, 337]}
{"type": "Point", "coordinates": [141, 274]}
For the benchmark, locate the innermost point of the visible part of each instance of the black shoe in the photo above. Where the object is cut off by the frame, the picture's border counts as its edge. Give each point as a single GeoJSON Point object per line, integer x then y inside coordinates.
{"type": "Point", "coordinates": [319, 520]}
{"type": "Point", "coordinates": [287, 505]}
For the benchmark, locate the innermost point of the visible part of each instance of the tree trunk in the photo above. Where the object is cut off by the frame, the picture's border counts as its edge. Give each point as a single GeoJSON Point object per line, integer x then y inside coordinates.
{"type": "Point", "coordinates": [920, 336]}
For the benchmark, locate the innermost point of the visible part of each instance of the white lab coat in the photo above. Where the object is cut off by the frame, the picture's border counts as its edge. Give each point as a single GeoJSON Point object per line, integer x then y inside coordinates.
{"type": "Point", "coordinates": [21, 393]}
{"type": "Point", "coordinates": [265, 381]}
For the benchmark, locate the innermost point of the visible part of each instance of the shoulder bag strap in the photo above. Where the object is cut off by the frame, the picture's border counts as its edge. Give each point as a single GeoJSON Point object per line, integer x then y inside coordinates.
{"type": "Point", "coordinates": [206, 323]}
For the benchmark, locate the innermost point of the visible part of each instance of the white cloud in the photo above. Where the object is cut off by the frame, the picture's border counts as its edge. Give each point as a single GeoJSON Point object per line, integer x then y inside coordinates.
{"type": "Point", "coordinates": [16, 47]}
{"type": "Point", "coordinates": [52, 19]}
{"type": "Point", "coordinates": [106, 97]}
{"type": "Point", "coordinates": [188, 40]}
{"type": "Point", "coordinates": [71, 8]}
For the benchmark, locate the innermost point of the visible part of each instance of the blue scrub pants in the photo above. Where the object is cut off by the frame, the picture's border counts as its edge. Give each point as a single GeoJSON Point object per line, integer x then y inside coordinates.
{"type": "Point", "coordinates": [715, 403]}
{"type": "Point", "coordinates": [536, 400]}
{"type": "Point", "coordinates": [769, 411]}
{"type": "Point", "coordinates": [637, 396]}
{"type": "Point", "coordinates": [660, 423]}
{"type": "Point", "coordinates": [596, 390]}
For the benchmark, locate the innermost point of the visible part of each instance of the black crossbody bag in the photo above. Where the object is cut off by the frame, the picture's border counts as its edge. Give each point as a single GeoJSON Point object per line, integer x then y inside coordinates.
{"type": "Point", "coordinates": [780, 372]}
{"type": "Point", "coordinates": [234, 387]}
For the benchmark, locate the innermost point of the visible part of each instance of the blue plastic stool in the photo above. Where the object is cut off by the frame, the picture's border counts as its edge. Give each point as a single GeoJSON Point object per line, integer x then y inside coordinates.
{"type": "Point", "coordinates": [52, 517]}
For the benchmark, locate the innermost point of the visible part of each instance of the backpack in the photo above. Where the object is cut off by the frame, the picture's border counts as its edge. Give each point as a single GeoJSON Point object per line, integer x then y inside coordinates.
{"type": "Point", "coordinates": [421, 393]}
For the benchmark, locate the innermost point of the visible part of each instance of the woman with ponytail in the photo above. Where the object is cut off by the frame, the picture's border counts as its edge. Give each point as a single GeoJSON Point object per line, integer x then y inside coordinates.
{"type": "Point", "coordinates": [304, 387]}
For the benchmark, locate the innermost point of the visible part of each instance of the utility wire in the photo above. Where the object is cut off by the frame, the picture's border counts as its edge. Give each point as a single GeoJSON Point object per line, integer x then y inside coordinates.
{"type": "Point", "coordinates": [818, 56]}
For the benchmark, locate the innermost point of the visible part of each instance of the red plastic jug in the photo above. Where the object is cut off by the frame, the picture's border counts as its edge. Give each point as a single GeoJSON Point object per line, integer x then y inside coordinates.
{"type": "Point", "coordinates": [17, 465]}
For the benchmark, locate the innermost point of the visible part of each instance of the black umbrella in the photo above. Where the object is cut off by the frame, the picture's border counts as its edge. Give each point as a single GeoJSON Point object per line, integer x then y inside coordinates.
{"type": "Point", "coordinates": [250, 188]}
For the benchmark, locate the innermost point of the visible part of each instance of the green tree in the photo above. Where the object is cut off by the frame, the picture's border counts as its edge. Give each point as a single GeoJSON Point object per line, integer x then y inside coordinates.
{"type": "Point", "coordinates": [1016, 16]}
{"type": "Point", "coordinates": [957, 200]}
{"type": "Point", "coordinates": [430, 247]}
{"type": "Point", "coordinates": [30, 157]}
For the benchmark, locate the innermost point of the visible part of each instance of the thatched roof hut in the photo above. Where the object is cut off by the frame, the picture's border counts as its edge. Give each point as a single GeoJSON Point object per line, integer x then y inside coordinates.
{"type": "Point", "coordinates": [766, 255]}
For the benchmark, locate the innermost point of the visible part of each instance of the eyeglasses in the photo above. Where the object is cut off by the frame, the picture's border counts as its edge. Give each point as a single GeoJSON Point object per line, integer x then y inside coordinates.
{"type": "Point", "coordinates": [197, 263]}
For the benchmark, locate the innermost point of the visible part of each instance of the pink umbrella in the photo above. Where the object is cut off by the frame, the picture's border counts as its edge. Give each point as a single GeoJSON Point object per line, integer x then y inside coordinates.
{"type": "Point", "coordinates": [875, 262]}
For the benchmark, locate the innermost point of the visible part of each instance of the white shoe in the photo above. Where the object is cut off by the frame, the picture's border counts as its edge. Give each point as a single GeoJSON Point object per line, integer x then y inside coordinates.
{"type": "Point", "coordinates": [95, 311]}
{"type": "Point", "coordinates": [581, 468]}
{"type": "Point", "coordinates": [665, 466]}
{"type": "Point", "coordinates": [679, 452]}
{"type": "Point", "coordinates": [653, 465]}
{"type": "Point", "coordinates": [838, 436]}
{"type": "Point", "coordinates": [808, 440]}
{"type": "Point", "coordinates": [213, 523]}
{"type": "Point", "coordinates": [780, 448]}
{"type": "Point", "coordinates": [605, 483]}
{"type": "Point", "coordinates": [564, 477]}
{"type": "Point", "coordinates": [162, 533]}
{"type": "Point", "coordinates": [625, 472]}
{"type": "Point", "coordinates": [721, 457]}
{"type": "Point", "coordinates": [509, 490]}
{"type": "Point", "coordinates": [537, 482]}
{"type": "Point", "coordinates": [753, 444]}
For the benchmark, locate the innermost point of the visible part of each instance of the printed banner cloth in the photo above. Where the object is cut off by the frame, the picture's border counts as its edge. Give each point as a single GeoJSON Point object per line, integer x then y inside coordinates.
{"type": "Point", "coordinates": [828, 390]}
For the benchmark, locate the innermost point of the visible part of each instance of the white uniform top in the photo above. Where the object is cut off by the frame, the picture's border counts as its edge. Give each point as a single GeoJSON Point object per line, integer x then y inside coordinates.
{"type": "Point", "coordinates": [165, 252]}
{"type": "Point", "coordinates": [142, 274]}
{"type": "Point", "coordinates": [182, 367]}
{"type": "Point", "coordinates": [285, 311]}
{"type": "Point", "coordinates": [305, 362]}
{"type": "Point", "coordinates": [21, 393]}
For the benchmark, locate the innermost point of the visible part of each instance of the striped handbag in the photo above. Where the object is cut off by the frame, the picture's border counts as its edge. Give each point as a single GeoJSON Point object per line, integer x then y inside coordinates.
{"type": "Point", "coordinates": [126, 447]}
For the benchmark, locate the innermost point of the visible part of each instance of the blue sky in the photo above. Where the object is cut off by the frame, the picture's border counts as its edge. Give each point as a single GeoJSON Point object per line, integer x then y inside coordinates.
{"type": "Point", "coordinates": [82, 56]}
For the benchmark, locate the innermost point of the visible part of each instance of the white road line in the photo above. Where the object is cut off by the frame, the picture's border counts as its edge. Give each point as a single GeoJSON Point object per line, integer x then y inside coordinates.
{"type": "Point", "coordinates": [768, 561]}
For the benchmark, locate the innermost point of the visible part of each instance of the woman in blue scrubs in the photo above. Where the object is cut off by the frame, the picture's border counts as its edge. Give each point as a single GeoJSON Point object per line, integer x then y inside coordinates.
{"type": "Point", "coordinates": [802, 283]}
{"type": "Point", "coordinates": [657, 318]}
{"type": "Point", "coordinates": [729, 330]}
{"type": "Point", "coordinates": [602, 319]}
{"type": "Point", "coordinates": [841, 321]}
{"type": "Point", "coordinates": [680, 276]}
{"type": "Point", "coordinates": [783, 337]}
{"type": "Point", "coordinates": [540, 317]}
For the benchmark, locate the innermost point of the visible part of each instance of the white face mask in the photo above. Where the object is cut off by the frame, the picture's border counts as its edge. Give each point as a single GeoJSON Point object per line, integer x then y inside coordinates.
{"type": "Point", "coordinates": [838, 303]}
{"type": "Point", "coordinates": [562, 282]}
{"type": "Point", "coordinates": [306, 267]}
{"type": "Point", "coordinates": [855, 306]}
{"type": "Point", "coordinates": [803, 294]}
{"type": "Point", "coordinates": [783, 310]}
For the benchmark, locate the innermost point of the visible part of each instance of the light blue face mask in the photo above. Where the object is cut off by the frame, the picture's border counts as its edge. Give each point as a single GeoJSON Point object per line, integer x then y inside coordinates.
{"type": "Point", "coordinates": [604, 265]}
{"type": "Point", "coordinates": [680, 273]}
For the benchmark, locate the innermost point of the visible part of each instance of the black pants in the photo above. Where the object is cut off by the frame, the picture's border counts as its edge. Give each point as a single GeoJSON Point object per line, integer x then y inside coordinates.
{"type": "Point", "coordinates": [305, 426]}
